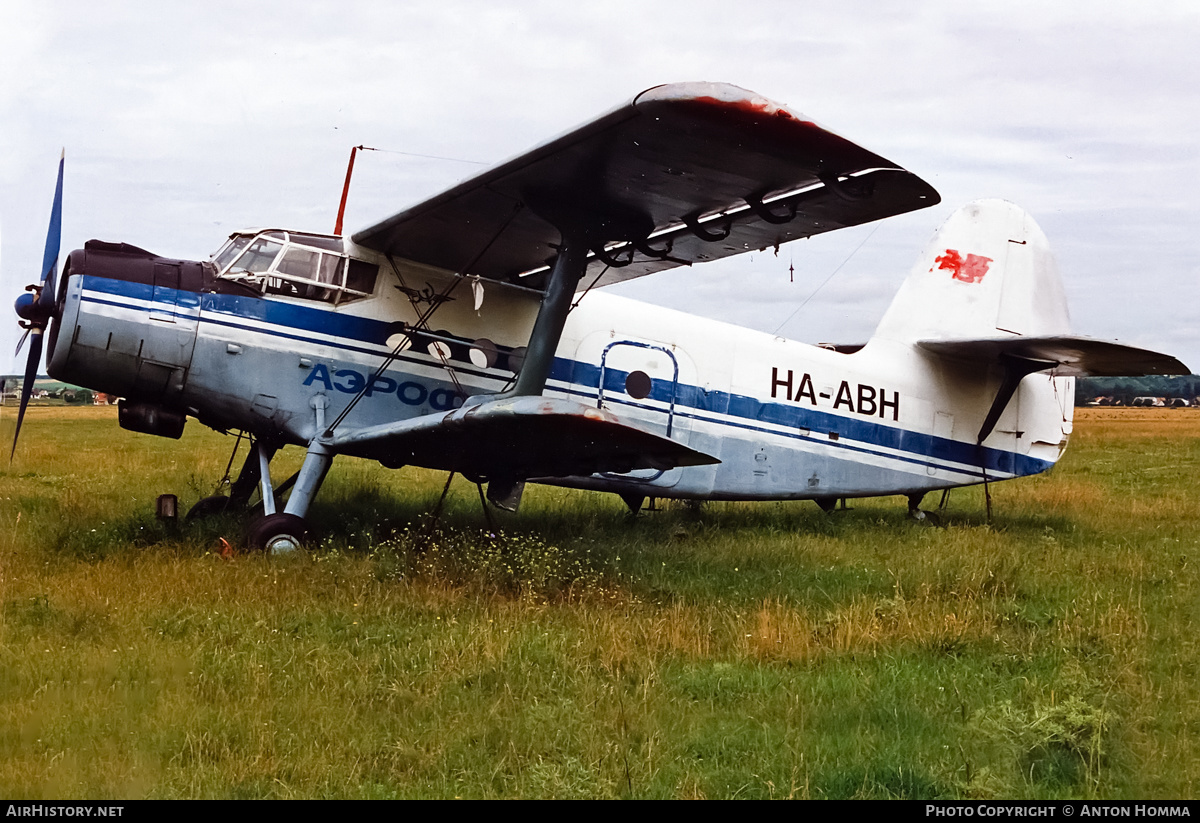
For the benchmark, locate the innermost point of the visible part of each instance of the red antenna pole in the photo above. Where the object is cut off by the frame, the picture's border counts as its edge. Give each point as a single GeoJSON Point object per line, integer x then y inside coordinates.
{"type": "Point", "coordinates": [337, 229]}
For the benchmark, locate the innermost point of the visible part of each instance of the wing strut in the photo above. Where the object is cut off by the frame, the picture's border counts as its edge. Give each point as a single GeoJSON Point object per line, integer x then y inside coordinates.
{"type": "Point", "coordinates": [569, 266]}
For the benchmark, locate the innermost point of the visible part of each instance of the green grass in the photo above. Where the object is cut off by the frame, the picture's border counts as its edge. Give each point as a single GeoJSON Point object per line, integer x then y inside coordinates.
{"type": "Point", "coordinates": [745, 650]}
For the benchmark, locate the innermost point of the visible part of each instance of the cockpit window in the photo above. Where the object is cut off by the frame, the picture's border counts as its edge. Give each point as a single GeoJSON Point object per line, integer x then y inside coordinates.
{"type": "Point", "coordinates": [291, 264]}
{"type": "Point", "coordinates": [259, 256]}
{"type": "Point", "coordinates": [320, 242]}
{"type": "Point", "coordinates": [231, 250]}
{"type": "Point", "coordinates": [331, 272]}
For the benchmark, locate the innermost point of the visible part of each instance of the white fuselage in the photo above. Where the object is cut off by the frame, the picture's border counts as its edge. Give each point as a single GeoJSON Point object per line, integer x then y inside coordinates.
{"type": "Point", "coordinates": [786, 420]}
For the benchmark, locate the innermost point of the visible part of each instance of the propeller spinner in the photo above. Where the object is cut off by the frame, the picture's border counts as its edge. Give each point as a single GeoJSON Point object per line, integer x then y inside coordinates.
{"type": "Point", "coordinates": [36, 307]}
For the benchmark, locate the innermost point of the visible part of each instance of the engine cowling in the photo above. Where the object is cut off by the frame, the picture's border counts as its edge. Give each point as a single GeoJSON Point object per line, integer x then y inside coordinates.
{"type": "Point", "coordinates": [126, 322]}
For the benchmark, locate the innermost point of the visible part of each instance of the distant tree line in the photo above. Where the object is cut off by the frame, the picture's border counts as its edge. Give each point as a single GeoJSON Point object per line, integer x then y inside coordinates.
{"type": "Point", "coordinates": [1126, 389]}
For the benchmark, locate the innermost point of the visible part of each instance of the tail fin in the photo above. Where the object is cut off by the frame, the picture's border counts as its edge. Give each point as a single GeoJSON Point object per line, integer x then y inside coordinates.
{"type": "Point", "coordinates": [987, 273]}
{"type": "Point", "coordinates": [986, 291]}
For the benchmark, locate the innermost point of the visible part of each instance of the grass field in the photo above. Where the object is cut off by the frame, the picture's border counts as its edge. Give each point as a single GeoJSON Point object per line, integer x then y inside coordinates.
{"type": "Point", "coordinates": [745, 650]}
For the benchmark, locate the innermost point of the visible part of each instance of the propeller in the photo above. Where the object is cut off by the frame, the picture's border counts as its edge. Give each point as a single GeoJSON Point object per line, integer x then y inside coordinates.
{"type": "Point", "coordinates": [36, 306]}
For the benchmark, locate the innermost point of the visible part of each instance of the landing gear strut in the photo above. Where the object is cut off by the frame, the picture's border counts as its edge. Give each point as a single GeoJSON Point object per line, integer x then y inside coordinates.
{"type": "Point", "coordinates": [240, 490]}
{"type": "Point", "coordinates": [278, 533]}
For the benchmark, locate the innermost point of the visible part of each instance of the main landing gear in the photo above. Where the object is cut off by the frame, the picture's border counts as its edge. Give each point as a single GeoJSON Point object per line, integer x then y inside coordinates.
{"type": "Point", "coordinates": [272, 531]}
{"type": "Point", "coordinates": [240, 491]}
{"type": "Point", "coordinates": [280, 532]}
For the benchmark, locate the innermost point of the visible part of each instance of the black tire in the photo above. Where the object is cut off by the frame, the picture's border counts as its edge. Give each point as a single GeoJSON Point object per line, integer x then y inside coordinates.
{"type": "Point", "coordinates": [925, 518]}
{"type": "Point", "coordinates": [277, 533]}
{"type": "Point", "coordinates": [207, 507]}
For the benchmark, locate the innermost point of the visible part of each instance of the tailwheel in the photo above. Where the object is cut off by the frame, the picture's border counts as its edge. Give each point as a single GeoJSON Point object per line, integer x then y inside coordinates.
{"type": "Point", "coordinates": [277, 533]}
{"type": "Point", "coordinates": [916, 513]}
{"type": "Point", "coordinates": [925, 518]}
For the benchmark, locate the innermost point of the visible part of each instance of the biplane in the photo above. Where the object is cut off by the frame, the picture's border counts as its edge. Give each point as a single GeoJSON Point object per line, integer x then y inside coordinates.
{"type": "Point", "coordinates": [471, 333]}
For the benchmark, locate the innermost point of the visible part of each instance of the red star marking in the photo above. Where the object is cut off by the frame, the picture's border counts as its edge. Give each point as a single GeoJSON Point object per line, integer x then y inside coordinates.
{"type": "Point", "coordinates": [969, 270]}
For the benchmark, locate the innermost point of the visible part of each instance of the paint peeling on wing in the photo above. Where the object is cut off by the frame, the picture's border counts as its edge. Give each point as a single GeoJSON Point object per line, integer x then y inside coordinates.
{"type": "Point", "coordinates": [755, 106]}
{"type": "Point", "coordinates": [969, 269]}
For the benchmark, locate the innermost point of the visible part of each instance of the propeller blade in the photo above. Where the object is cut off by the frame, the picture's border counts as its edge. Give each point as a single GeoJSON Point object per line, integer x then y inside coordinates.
{"type": "Point", "coordinates": [53, 243]}
{"type": "Point", "coordinates": [31, 366]}
{"type": "Point", "coordinates": [39, 310]}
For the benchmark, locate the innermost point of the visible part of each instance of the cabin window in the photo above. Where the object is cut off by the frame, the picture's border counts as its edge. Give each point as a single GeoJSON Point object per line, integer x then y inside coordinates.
{"type": "Point", "coordinates": [331, 270]}
{"type": "Point", "coordinates": [638, 385]}
{"type": "Point", "coordinates": [300, 263]}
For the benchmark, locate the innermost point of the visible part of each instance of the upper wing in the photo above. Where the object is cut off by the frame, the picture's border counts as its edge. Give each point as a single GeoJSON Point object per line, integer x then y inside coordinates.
{"type": "Point", "coordinates": [682, 173]}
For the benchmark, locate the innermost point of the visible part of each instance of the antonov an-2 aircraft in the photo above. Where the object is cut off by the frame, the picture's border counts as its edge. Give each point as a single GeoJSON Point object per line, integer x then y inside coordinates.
{"type": "Point", "coordinates": [452, 335]}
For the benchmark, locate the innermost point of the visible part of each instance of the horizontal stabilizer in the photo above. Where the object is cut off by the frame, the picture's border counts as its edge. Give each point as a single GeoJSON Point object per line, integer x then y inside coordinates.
{"type": "Point", "coordinates": [1067, 355]}
{"type": "Point", "coordinates": [519, 438]}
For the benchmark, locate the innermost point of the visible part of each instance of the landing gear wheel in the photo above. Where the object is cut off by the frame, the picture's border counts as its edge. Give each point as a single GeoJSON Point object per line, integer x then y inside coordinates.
{"type": "Point", "coordinates": [277, 533]}
{"type": "Point", "coordinates": [925, 518]}
{"type": "Point", "coordinates": [207, 507]}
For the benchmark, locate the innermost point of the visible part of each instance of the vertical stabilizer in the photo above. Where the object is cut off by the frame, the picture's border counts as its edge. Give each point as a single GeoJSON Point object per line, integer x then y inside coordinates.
{"type": "Point", "coordinates": [987, 273]}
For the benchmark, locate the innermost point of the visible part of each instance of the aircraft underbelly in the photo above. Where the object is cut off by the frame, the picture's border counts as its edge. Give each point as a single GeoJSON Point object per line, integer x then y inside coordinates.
{"type": "Point", "coordinates": [764, 468]}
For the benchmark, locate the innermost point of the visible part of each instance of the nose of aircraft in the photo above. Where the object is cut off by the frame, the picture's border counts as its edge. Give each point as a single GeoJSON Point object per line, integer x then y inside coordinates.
{"type": "Point", "coordinates": [36, 307]}
{"type": "Point", "coordinates": [33, 309]}
{"type": "Point", "coordinates": [26, 306]}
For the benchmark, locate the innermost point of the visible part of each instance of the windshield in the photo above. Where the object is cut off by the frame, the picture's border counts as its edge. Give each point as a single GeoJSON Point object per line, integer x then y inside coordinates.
{"type": "Point", "coordinates": [232, 248]}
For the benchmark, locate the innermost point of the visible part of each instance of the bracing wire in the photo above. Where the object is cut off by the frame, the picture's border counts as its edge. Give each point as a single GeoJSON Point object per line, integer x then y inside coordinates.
{"type": "Point", "coordinates": [826, 280]}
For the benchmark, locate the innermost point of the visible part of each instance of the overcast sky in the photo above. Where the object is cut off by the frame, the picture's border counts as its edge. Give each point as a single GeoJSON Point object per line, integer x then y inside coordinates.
{"type": "Point", "coordinates": [184, 122]}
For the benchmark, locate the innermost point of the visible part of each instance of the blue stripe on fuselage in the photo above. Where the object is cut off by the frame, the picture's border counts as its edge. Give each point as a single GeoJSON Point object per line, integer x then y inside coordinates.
{"type": "Point", "coordinates": [818, 423]}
